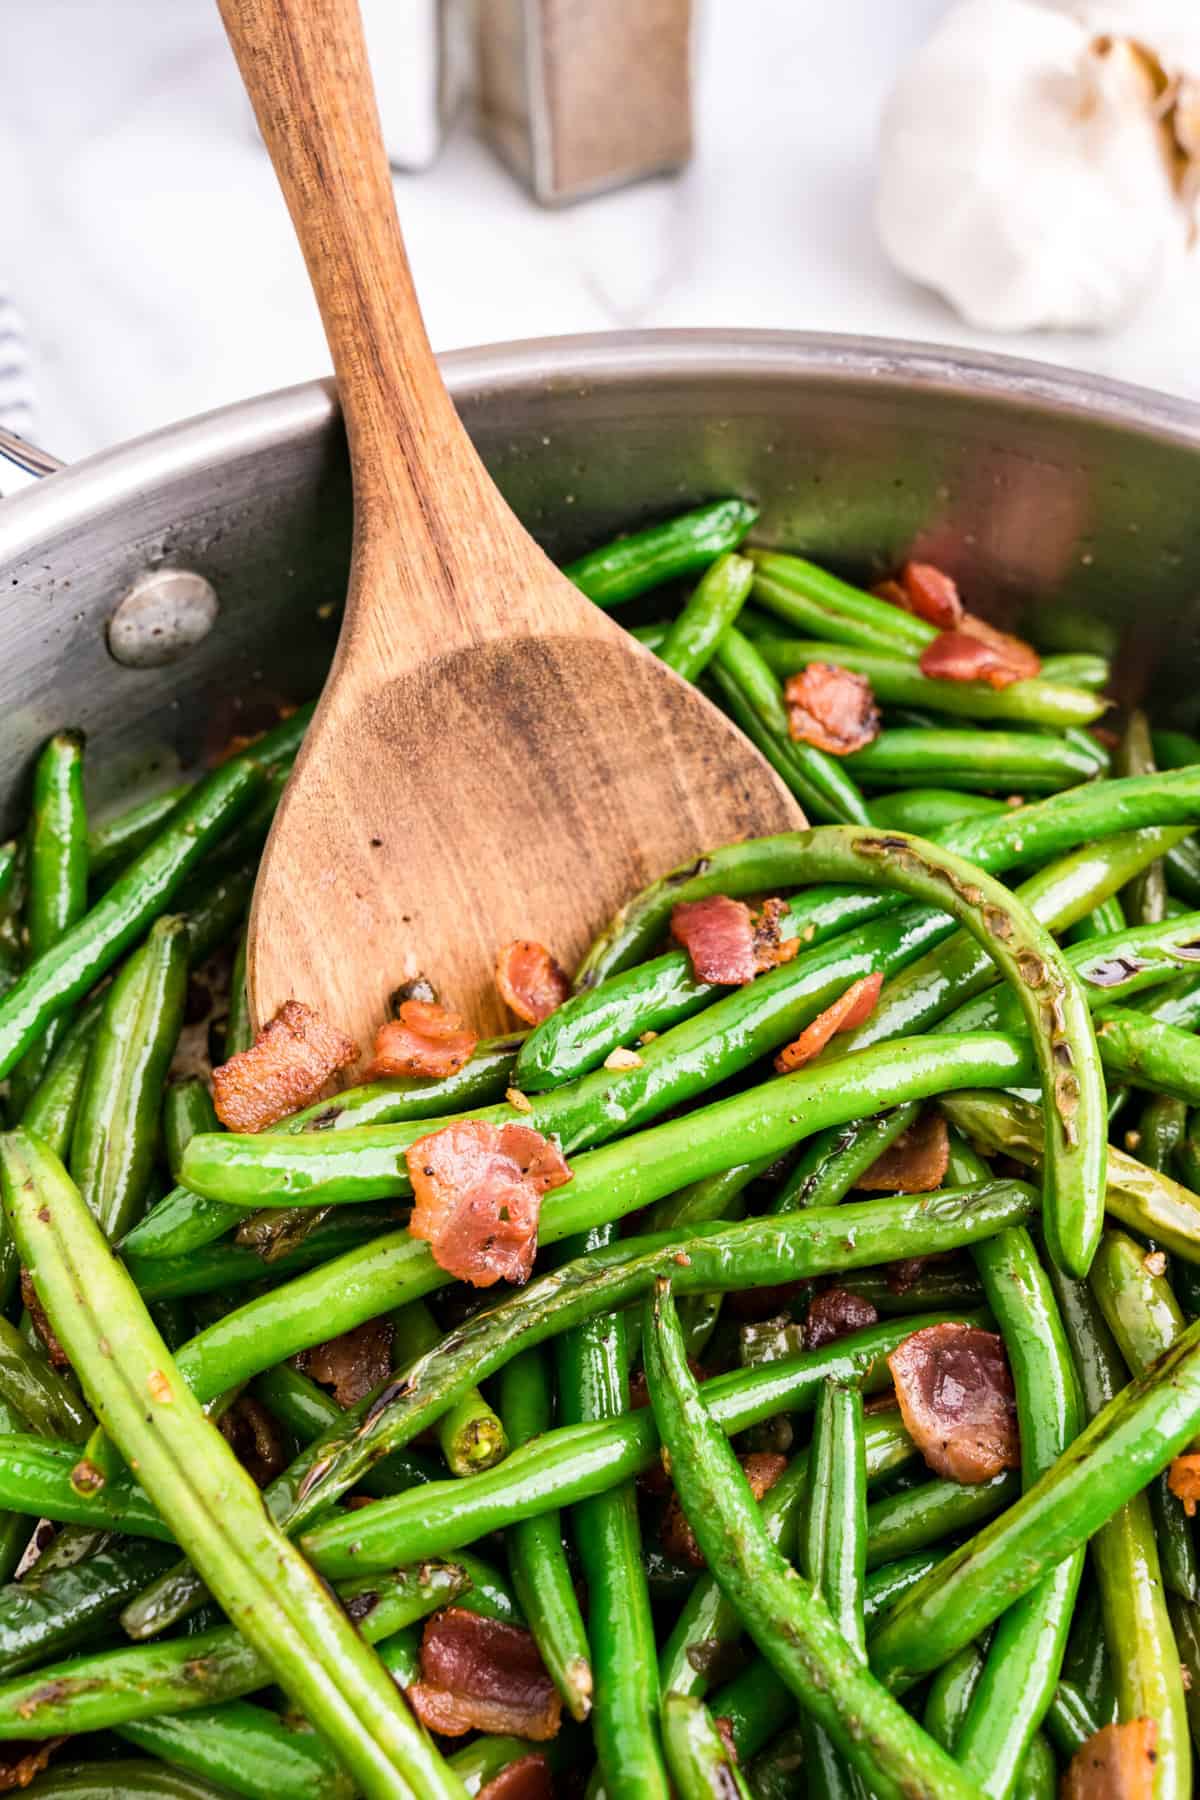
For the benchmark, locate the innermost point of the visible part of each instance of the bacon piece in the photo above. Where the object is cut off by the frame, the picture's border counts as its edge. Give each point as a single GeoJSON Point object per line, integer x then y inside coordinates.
{"type": "Point", "coordinates": [957, 1401]}
{"type": "Point", "coordinates": [831, 708]}
{"type": "Point", "coordinates": [915, 1164]}
{"type": "Point", "coordinates": [931, 594]}
{"type": "Point", "coordinates": [480, 1675]}
{"type": "Point", "coordinates": [23, 1758]}
{"type": "Point", "coordinates": [976, 651]}
{"type": "Point", "coordinates": [286, 1067]}
{"type": "Point", "coordinates": [352, 1364]}
{"type": "Point", "coordinates": [254, 1437]}
{"type": "Point", "coordinates": [1117, 1763]}
{"type": "Point", "coordinates": [892, 591]}
{"type": "Point", "coordinates": [529, 1778]}
{"type": "Point", "coordinates": [530, 981]}
{"type": "Point", "coordinates": [1183, 1479]}
{"type": "Point", "coordinates": [835, 1314]}
{"type": "Point", "coordinates": [762, 1470]}
{"type": "Point", "coordinates": [906, 1271]}
{"type": "Point", "coordinates": [424, 1039]}
{"type": "Point", "coordinates": [477, 1196]}
{"type": "Point", "coordinates": [849, 1010]}
{"type": "Point", "coordinates": [41, 1322]}
{"type": "Point", "coordinates": [718, 935]}
{"type": "Point", "coordinates": [770, 946]}
{"type": "Point", "coordinates": [756, 1304]}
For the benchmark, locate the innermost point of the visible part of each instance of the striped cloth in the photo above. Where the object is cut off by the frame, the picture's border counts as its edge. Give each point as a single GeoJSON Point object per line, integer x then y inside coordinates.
{"type": "Point", "coordinates": [16, 380]}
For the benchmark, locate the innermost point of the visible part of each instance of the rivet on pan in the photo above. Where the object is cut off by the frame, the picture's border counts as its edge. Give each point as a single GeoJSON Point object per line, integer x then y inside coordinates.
{"type": "Point", "coordinates": [163, 616]}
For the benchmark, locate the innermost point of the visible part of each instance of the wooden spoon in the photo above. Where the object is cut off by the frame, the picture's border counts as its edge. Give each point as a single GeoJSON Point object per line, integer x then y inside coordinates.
{"type": "Point", "coordinates": [492, 757]}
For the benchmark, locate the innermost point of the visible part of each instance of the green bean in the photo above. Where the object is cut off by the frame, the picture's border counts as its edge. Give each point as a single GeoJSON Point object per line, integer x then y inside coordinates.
{"type": "Point", "coordinates": [658, 553]}
{"type": "Point", "coordinates": [1149, 1202]}
{"type": "Point", "coordinates": [1146, 1053]}
{"type": "Point", "coordinates": [897, 681]}
{"type": "Point", "coordinates": [470, 1433]}
{"type": "Point", "coordinates": [1022, 761]}
{"type": "Point", "coordinates": [1037, 1778]}
{"type": "Point", "coordinates": [51, 1108]}
{"type": "Point", "coordinates": [1123, 1448]}
{"type": "Point", "coordinates": [57, 872]}
{"type": "Point", "coordinates": [214, 1268]}
{"type": "Point", "coordinates": [67, 970]}
{"type": "Point", "coordinates": [821, 781]}
{"type": "Point", "coordinates": [1111, 968]}
{"type": "Point", "coordinates": [1146, 896]}
{"type": "Point", "coordinates": [701, 1766]}
{"type": "Point", "coordinates": [1175, 749]}
{"type": "Point", "coordinates": [307, 1410]}
{"type": "Point", "coordinates": [28, 1385]}
{"type": "Point", "coordinates": [938, 1287]}
{"type": "Point", "coordinates": [485, 1757]}
{"type": "Point", "coordinates": [192, 1476]}
{"type": "Point", "coordinates": [537, 1561]}
{"type": "Point", "coordinates": [36, 1478]}
{"type": "Point", "coordinates": [116, 1124]}
{"type": "Point", "coordinates": [54, 1609]}
{"type": "Point", "coordinates": [572, 1463]}
{"type": "Point", "coordinates": [833, 1550]}
{"type": "Point", "coordinates": [123, 1779]}
{"type": "Point", "coordinates": [1023, 1662]}
{"type": "Point", "coordinates": [902, 1523]}
{"type": "Point", "coordinates": [115, 841]}
{"type": "Point", "coordinates": [579, 1034]}
{"type": "Point", "coordinates": [214, 907]}
{"type": "Point", "coordinates": [1022, 835]}
{"type": "Point", "coordinates": [1107, 918]}
{"type": "Point", "coordinates": [929, 810]}
{"type": "Point", "coordinates": [789, 1622]}
{"type": "Point", "coordinates": [1145, 1319]}
{"type": "Point", "coordinates": [694, 633]}
{"type": "Point", "coordinates": [1185, 1624]}
{"type": "Point", "coordinates": [831, 1162]}
{"type": "Point", "coordinates": [1077, 668]}
{"type": "Point", "coordinates": [1070, 1721]}
{"type": "Point", "coordinates": [247, 1749]}
{"type": "Point", "coordinates": [950, 1694]}
{"type": "Point", "coordinates": [118, 1686]}
{"type": "Point", "coordinates": [186, 1109]}
{"type": "Point", "coordinates": [758, 1252]}
{"type": "Point", "coordinates": [593, 1385]}
{"type": "Point", "coordinates": [239, 1028]}
{"type": "Point", "coordinates": [755, 1705]}
{"type": "Point", "coordinates": [1182, 867]}
{"type": "Point", "coordinates": [183, 1221]}
{"type": "Point", "coordinates": [708, 1623]}
{"type": "Point", "coordinates": [817, 601]}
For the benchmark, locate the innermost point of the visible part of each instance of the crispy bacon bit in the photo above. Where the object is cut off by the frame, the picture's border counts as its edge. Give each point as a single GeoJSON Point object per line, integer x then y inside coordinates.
{"type": "Point", "coordinates": [835, 1314]}
{"type": "Point", "coordinates": [423, 1039]}
{"type": "Point", "coordinates": [770, 946]}
{"type": "Point", "coordinates": [530, 981]}
{"type": "Point", "coordinates": [287, 1067]}
{"type": "Point", "coordinates": [915, 1164]}
{"type": "Point", "coordinates": [480, 1675]}
{"type": "Point", "coordinates": [831, 708]}
{"type": "Point", "coordinates": [976, 651]}
{"type": "Point", "coordinates": [849, 1010]}
{"type": "Point", "coordinates": [477, 1195]}
{"type": "Point", "coordinates": [352, 1364]}
{"type": "Point", "coordinates": [23, 1758]}
{"type": "Point", "coordinates": [254, 1438]}
{"type": "Point", "coordinates": [762, 1470]}
{"type": "Point", "coordinates": [931, 594]}
{"type": "Point", "coordinates": [956, 1399]}
{"type": "Point", "coordinates": [1183, 1479]}
{"type": "Point", "coordinates": [41, 1323]}
{"type": "Point", "coordinates": [1117, 1763]}
{"type": "Point", "coordinates": [529, 1778]}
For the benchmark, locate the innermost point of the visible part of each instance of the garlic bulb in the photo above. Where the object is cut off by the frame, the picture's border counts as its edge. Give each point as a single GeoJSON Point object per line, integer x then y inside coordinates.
{"type": "Point", "coordinates": [1022, 165]}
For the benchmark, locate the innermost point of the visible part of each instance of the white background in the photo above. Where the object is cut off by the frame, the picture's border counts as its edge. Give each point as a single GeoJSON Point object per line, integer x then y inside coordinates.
{"type": "Point", "coordinates": [143, 239]}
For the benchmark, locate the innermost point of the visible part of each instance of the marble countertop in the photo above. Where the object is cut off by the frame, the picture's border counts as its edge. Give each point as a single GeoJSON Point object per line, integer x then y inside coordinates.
{"type": "Point", "coordinates": [144, 241]}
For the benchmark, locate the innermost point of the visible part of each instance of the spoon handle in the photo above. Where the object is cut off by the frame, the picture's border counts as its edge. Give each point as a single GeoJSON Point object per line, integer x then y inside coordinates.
{"type": "Point", "coordinates": [304, 65]}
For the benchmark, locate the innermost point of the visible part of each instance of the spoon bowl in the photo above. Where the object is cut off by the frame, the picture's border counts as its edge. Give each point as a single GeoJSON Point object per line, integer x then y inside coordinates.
{"type": "Point", "coordinates": [492, 757]}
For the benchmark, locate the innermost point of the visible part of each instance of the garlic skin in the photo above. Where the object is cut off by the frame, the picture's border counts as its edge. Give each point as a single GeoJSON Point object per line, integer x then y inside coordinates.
{"type": "Point", "coordinates": [1022, 172]}
{"type": "Point", "coordinates": [1168, 28]}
